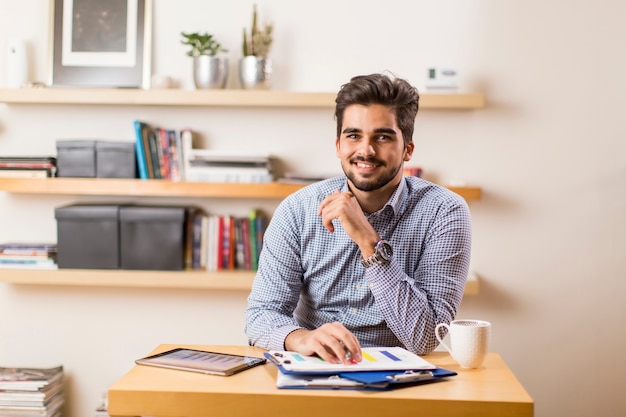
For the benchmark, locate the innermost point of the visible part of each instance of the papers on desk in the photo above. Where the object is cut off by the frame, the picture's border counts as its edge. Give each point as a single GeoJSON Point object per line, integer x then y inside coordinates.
{"type": "Point", "coordinates": [381, 368]}
{"type": "Point", "coordinates": [374, 359]}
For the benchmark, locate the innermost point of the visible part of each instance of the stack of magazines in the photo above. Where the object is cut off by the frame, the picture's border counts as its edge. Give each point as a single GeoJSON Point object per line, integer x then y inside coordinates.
{"type": "Point", "coordinates": [27, 166]}
{"type": "Point", "coordinates": [28, 256]}
{"type": "Point", "coordinates": [31, 392]}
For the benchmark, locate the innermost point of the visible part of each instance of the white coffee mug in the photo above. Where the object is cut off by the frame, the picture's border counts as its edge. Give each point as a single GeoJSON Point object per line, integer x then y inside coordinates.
{"type": "Point", "coordinates": [469, 341]}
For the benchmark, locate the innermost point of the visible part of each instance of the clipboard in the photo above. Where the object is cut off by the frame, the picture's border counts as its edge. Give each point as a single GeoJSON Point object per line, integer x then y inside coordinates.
{"type": "Point", "coordinates": [366, 380]}
{"type": "Point", "coordinates": [396, 368]}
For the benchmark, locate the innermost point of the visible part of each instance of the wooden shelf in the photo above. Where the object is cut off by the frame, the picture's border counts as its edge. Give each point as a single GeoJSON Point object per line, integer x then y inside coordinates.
{"type": "Point", "coordinates": [196, 280]}
{"type": "Point", "coordinates": [223, 280]}
{"type": "Point", "coordinates": [163, 188]}
{"type": "Point", "coordinates": [145, 188]}
{"type": "Point", "coordinates": [217, 98]}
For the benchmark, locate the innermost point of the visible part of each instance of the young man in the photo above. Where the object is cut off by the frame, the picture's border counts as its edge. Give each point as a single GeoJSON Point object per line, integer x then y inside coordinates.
{"type": "Point", "coordinates": [371, 258]}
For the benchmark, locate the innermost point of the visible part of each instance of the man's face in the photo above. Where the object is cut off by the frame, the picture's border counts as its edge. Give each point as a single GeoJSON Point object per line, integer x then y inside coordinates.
{"type": "Point", "coordinates": [371, 147]}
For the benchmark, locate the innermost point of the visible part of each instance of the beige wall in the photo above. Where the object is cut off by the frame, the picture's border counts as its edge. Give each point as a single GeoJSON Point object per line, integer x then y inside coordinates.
{"type": "Point", "coordinates": [549, 151]}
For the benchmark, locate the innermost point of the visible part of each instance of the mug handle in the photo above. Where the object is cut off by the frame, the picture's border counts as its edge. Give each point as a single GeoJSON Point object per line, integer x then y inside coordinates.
{"type": "Point", "coordinates": [437, 328]}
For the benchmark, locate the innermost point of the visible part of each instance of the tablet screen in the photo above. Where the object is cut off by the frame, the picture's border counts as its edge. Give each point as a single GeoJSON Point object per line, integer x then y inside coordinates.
{"type": "Point", "coordinates": [201, 361]}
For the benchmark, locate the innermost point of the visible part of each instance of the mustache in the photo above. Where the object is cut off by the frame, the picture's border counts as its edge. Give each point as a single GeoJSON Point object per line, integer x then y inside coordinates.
{"type": "Point", "coordinates": [364, 159]}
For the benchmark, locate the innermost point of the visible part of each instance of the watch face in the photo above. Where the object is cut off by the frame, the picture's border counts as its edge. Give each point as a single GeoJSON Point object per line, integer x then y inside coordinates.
{"type": "Point", "coordinates": [385, 250]}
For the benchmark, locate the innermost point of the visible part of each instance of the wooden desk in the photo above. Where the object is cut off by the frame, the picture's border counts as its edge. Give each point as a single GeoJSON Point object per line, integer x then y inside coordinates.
{"type": "Point", "coordinates": [491, 390]}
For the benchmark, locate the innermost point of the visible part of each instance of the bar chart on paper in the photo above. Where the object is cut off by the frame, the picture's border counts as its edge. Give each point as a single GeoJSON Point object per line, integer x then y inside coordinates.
{"type": "Point", "coordinates": [374, 359]}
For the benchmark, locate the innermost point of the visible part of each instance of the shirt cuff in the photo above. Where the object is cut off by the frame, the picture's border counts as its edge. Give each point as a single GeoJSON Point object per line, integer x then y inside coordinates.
{"type": "Point", "coordinates": [277, 341]}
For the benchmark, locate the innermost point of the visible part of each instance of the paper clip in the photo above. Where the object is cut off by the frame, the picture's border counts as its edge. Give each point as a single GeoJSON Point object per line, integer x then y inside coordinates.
{"type": "Point", "coordinates": [410, 376]}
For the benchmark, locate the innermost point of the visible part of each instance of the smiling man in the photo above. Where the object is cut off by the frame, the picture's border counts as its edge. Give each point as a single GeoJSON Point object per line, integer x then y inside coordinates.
{"type": "Point", "coordinates": [372, 258]}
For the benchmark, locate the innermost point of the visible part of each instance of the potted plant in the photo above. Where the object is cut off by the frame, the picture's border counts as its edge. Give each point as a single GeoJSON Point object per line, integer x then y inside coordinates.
{"type": "Point", "coordinates": [210, 70]}
{"type": "Point", "coordinates": [255, 68]}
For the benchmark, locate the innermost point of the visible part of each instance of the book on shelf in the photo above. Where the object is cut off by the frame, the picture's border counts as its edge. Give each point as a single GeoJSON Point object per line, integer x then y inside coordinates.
{"type": "Point", "coordinates": [140, 132]}
{"type": "Point", "coordinates": [25, 173]}
{"type": "Point", "coordinates": [176, 153]}
{"type": "Point", "coordinates": [257, 225]}
{"type": "Point", "coordinates": [28, 264]}
{"type": "Point", "coordinates": [24, 256]}
{"type": "Point", "coordinates": [169, 154]}
{"type": "Point", "coordinates": [163, 150]}
{"type": "Point", "coordinates": [27, 167]}
{"type": "Point", "coordinates": [299, 178]}
{"type": "Point", "coordinates": [154, 145]}
{"type": "Point", "coordinates": [28, 247]}
{"type": "Point", "coordinates": [197, 257]}
{"type": "Point", "coordinates": [28, 256]}
{"type": "Point", "coordinates": [26, 162]}
{"type": "Point", "coordinates": [34, 265]}
{"type": "Point", "coordinates": [27, 252]}
{"type": "Point", "coordinates": [222, 242]}
{"type": "Point", "coordinates": [146, 132]}
{"type": "Point", "coordinates": [234, 242]}
{"type": "Point", "coordinates": [230, 175]}
{"type": "Point", "coordinates": [159, 152]}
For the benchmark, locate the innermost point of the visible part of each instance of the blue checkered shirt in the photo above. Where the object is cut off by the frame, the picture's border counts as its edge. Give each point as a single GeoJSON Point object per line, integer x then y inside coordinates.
{"type": "Point", "coordinates": [308, 276]}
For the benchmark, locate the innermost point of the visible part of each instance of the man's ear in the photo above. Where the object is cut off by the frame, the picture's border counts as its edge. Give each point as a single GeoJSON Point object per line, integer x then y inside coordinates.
{"type": "Point", "coordinates": [408, 151]}
{"type": "Point", "coordinates": [337, 146]}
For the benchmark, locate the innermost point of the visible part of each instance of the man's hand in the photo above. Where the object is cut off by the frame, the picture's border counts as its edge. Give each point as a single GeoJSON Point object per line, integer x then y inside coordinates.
{"type": "Point", "coordinates": [345, 208]}
{"type": "Point", "coordinates": [333, 342]}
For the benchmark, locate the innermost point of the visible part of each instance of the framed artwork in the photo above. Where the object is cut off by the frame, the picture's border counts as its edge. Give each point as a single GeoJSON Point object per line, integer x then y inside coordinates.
{"type": "Point", "coordinates": [97, 43]}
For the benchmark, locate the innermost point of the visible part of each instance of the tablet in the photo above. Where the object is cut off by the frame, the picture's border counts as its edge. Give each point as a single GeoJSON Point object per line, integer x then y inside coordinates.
{"type": "Point", "coordinates": [202, 361]}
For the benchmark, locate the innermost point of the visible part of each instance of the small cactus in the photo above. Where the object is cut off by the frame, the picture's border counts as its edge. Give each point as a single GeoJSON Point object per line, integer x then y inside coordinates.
{"type": "Point", "coordinates": [259, 41]}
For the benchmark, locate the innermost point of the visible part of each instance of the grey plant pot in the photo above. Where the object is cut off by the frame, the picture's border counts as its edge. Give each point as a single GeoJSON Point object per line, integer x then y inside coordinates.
{"type": "Point", "coordinates": [210, 71]}
{"type": "Point", "coordinates": [255, 72]}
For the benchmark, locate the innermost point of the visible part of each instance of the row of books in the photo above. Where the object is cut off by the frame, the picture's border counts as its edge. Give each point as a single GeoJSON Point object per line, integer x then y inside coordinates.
{"type": "Point", "coordinates": [31, 392]}
{"type": "Point", "coordinates": [169, 154]}
{"type": "Point", "coordinates": [24, 255]}
{"type": "Point", "coordinates": [159, 152]}
{"type": "Point", "coordinates": [225, 242]}
{"type": "Point", "coordinates": [27, 166]}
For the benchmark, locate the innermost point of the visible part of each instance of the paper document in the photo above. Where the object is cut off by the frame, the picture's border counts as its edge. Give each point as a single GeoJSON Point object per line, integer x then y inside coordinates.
{"type": "Point", "coordinates": [374, 359]}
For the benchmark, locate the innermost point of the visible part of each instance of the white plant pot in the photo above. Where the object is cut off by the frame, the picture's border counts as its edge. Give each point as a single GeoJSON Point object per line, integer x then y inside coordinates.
{"type": "Point", "coordinates": [255, 72]}
{"type": "Point", "coordinates": [210, 71]}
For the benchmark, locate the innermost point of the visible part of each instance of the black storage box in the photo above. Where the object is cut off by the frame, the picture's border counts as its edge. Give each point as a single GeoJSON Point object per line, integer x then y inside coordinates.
{"type": "Point", "coordinates": [152, 237]}
{"type": "Point", "coordinates": [88, 236]}
{"type": "Point", "coordinates": [76, 158]}
{"type": "Point", "coordinates": [115, 159]}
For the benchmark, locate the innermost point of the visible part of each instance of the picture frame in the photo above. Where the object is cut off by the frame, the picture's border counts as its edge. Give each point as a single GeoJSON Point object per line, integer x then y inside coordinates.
{"type": "Point", "coordinates": [104, 44]}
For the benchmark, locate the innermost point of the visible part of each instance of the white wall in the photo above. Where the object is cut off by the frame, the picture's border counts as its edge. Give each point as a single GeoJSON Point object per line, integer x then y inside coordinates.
{"type": "Point", "coordinates": [548, 151]}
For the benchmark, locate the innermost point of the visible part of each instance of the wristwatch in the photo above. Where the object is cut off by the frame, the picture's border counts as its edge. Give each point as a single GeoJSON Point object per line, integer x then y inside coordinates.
{"type": "Point", "coordinates": [382, 254]}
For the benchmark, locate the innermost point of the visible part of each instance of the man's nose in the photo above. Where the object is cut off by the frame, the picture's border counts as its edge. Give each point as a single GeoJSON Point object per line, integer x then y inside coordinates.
{"type": "Point", "coordinates": [367, 148]}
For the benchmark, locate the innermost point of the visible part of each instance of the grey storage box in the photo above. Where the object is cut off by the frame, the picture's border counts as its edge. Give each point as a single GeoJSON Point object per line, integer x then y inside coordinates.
{"type": "Point", "coordinates": [152, 238]}
{"type": "Point", "coordinates": [115, 159]}
{"type": "Point", "coordinates": [88, 236]}
{"type": "Point", "coordinates": [76, 158]}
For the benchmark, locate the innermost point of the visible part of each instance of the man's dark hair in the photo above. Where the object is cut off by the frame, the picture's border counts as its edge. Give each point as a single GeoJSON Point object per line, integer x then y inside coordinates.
{"type": "Point", "coordinates": [397, 94]}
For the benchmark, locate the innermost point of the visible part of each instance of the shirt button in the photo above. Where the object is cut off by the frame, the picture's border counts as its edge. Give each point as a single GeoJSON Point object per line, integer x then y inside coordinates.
{"type": "Point", "coordinates": [371, 285]}
{"type": "Point", "coordinates": [358, 286]}
{"type": "Point", "coordinates": [354, 311]}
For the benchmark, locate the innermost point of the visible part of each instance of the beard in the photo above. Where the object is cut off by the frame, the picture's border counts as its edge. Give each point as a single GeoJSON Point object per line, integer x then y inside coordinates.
{"type": "Point", "coordinates": [374, 183]}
